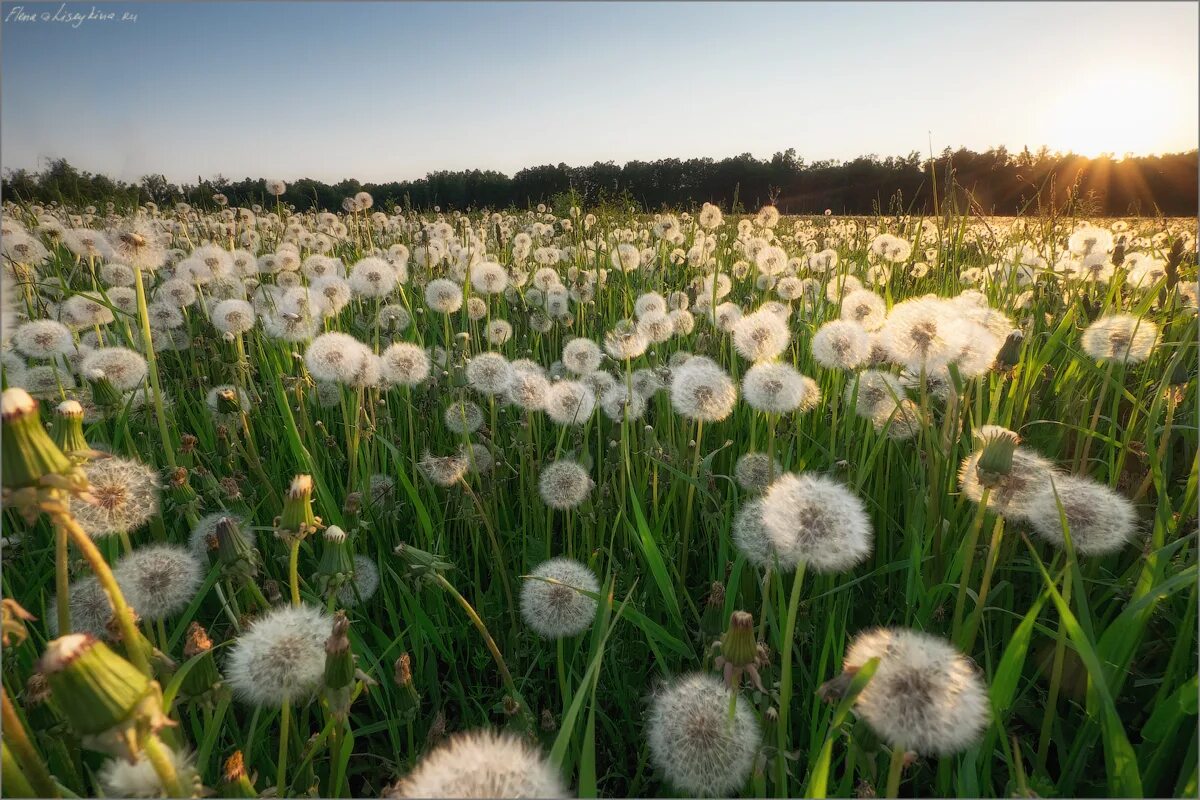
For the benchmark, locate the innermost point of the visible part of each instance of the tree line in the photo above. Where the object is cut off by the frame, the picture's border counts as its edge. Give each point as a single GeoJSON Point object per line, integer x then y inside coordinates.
{"type": "Point", "coordinates": [992, 182]}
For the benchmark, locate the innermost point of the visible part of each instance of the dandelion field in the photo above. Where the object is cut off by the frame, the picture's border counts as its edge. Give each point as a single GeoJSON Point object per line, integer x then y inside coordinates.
{"type": "Point", "coordinates": [571, 502]}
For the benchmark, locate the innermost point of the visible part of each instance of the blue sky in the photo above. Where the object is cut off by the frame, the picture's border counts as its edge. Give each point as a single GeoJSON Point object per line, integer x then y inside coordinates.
{"type": "Point", "coordinates": [382, 91]}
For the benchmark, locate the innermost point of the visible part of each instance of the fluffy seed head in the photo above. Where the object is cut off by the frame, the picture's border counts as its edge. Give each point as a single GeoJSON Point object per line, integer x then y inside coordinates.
{"type": "Point", "coordinates": [1099, 520]}
{"type": "Point", "coordinates": [489, 373]}
{"type": "Point", "coordinates": [924, 696]}
{"type": "Point", "coordinates": [124, 368]}
{"type": "Point", "coordinates": [564, 484]}
{"type": "Point", "coordinates": [754, 472]}
{"type": "Point", "coordinates": [281, 657]}
{"type": "Point", "coordinates": [405, 364]}
{"type": "Point", "coordinates": [570, 403]}
{"type": "Point", "coordinates": [700, 750]}
{"type": "Point", "coordinates": [760, 336]}
{"type": "Point", "coordinates": [841, 345]}
{"type": "Point", "coordinates": [703, 391]}
{"type": "Point", "coordinates": [773, 387]}
{"type": "Point", "coordinates": [443, 296]}
{"type": "Point", "coordinates": [482, 764]}
{"type": "Point", "coordinates": [124, 496]}
{"type": "Point", "coordinates": [557, 609]}
{"type": "Point", "coordinates": [160, 580]}
{"type": "Point", "coordinates": [1120, 337]}
{"type": "Point", "coordinates": [818, 521]}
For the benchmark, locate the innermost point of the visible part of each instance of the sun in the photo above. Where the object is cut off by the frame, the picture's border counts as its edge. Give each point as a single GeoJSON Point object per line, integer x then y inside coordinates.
{"type": "Point", "coordinates": [1122, 112]}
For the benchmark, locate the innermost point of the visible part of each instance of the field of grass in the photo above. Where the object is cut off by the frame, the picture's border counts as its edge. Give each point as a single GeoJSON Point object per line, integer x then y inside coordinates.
{"type": "Point", "coordinates": [851, 507]}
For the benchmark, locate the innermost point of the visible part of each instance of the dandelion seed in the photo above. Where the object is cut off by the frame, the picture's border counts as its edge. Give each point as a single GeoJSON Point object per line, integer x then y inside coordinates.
{"type": "Point", "coordinates": [556, 608]}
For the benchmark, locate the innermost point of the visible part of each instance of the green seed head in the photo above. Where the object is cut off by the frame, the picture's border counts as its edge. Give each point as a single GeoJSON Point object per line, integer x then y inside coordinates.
{"type": "Point", "coordinates": [996, 456]}
{"type": "Point", "coordinates": [297, 519]}
{"type": "Point", "coordinates": [68, 429]}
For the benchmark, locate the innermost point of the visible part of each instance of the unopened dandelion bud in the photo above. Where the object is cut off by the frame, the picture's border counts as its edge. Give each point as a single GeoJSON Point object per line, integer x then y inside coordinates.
{"type": "Point", "coordinates": [337, 558]}
{"type": "Point", "coordinates": [203, 675]}
{"type": "Point", "coordinates": [237, 555]}
{"type": "Point", "coordinates": [297, 519]}
{"type": "Point", "coordinates": [1010, 351]}
{"type": "Point", "coordinates": [410, 700]}
{"type": "Point", "coordinates": [339, 659]}
{"type": "Point", "coordinates": [714, 610]}
{"type": "Point", "coordinates": [227, 402]}
{"type": "Point", "coordinates": [420, 563]}
{"type": "Point", "coordinates": [104, 698]}
{"type": "Point", "coordinates": [29, 454]}
{"type": "Point", "coordinates": [235, 782]}
{"type": "Point", "coordinates": [68, 429]}
{"type": "Point", "coordinates": [996, 456]}
{"type": "Point", "coordinates": [548, 723]}
{"type": "Point", "coordinates": [271, 591]}
{"type": "Point", "coordinates": [511, 706]}
{"type": "Point", "coordinates": [738, 646]}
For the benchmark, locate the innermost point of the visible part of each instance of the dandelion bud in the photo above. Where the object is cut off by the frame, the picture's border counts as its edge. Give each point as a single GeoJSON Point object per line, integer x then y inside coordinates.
{"type": "Point", "coordinates": [337, 559]}
{"type": "Point", "coordinates": [339, 660]}
{"type": "Point", "coordinates": [297, 519]}
{"type": "Point", "coordinates": [420, 563]}
{"type": "Point", "coordinates": [104, 698]}
{"type": "Point", "coordinates": [714, 610]}
{"type": "Point", "coordinates": [996, 457]}
{"type": "Point", "coordinates": [271, 591]}
{"type": "Point", "coordinates": [238, 557]}
{"type": "Point", "coordinates": [410, 700]}
{"type": "Point", "coordinates": [29, 454]}
{"type": "Point", "coordinates": [234, 780]}
{"type": "Point", "coordinates": [1010, 351]}
{"type": "Point", "coordinates": [68, 428]}
{"type": "Point", "coordinates": [227, 402]}
{"type": "Point", "coordinates": [511, 706]}
{"type": "Point", "coordinates": [39, 712]}
{"type": "Point", "coordinates": [203, 676]}
{"type": "Point", "coordinates": [738, 646]}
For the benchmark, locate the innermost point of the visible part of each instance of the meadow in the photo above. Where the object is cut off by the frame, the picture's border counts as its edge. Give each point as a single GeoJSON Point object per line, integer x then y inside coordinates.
{"type": "Point", "coordinates": [587, 502]}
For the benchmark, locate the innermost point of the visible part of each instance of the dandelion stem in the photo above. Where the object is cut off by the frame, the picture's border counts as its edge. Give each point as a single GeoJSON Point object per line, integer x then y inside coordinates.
{"type": "Point", "coordinates": [964, 575]}
{"type": "Point", "coordinates": [62, 580]}
{"type": "Point", "coordinates": [785, 677]}
{"type": "Point", "coordinates": [1056, 671]}
{"type": "Point", "coordinates": [152, 366]}
{"type": "Point", "coordinates": [294, 570]}
{"type": "Point", "coordinates": [285, 724]}
{"type": "Point", "coordinates": [895, 772]}
{"type": "Point", "coordinates": [16, 737]}
{"type": "Point", "coordinates": [159, 757]}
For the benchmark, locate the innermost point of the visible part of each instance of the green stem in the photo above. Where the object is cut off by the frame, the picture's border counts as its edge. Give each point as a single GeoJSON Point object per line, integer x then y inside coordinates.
{"type": "Point", "coordinates": [26, 754]}
{"type": "Point", "coordinates": [160, 758]}
{"type": "Point", "coordinates": [152, 366]}
{"type": "Point", "coordinates": [62, 580]}
{"type": "Point", "coordinates": [1056, 671]}
{"type": "Point", "coordinates": [964, 575]}
{"type": "Point", "coordinates": [294, 570]}
{"type": "Point", "coordinates": [285, 724]}
{"type": "Point", "coordinates": [895, 772]}
{"type": "Point", "coordinates": [785, 678]}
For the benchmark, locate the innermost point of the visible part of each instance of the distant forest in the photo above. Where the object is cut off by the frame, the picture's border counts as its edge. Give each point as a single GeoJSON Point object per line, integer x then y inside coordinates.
{"type": "Point", "coordinates": [992, 182]}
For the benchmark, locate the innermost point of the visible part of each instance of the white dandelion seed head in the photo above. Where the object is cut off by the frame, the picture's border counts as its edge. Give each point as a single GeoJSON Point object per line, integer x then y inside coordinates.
{"type": "Point", "coordinates": [280, 657]}
{"type": "Point", "coordinates": [761, 336]}
{"type": "Point", "coordinates": [751, 536]}
{"type": "Point", "coordinates": [443, 296]}
{"type": "Point", "coordinates": [618, 402]}
{"type": "Point", "coordinates": [463, 417]}
{"type": "Point", "coordinates": [625, 340]}
{"type": "Point", "coordinates": [528, 389]}
{"type": "Point", "coordinates": [754, 472]}
{"type": "Point", "coordinates": [373, 277]}
{"type": "Point", "coordinates": [405, 364]}
{"type": "Point", "coordinates": [124, 496]}
{"type": "Point", "coordinates": [363, 585]}
{"type": "Point", "coordinates": [499, 331]}
{"type": "Point", "coordinates": [924, 696]}
{"type": "Point", "coordinates": [693, 741]}
{"type": "Point", "coordinates": [703, 391]}
{"type": "Point", "coordinates": [555, 610]}
{"type": "Point", "coordinates": [570, 403]}
{"type": "Point", "coordinates": [815, 520]}
{"type": "Point", "coordinates": [773, 387]}
{"type": "Point", "coordinates": [656, 326]}
{"type": "Point", "coordinates": [335, 357]}
{"type": "Point", "coordinates": [120, 777]}
{"type": "Point", "coordinates": [564, 484]}
{"type": "Point", "coordinates": [159, 580]}
{"type": "Point", "coordinates": [43, 339]}
{"type": "Point", "coordinates": [233, 316]}
{"type": "Point", "coordinates": [1012, 494]}
{"type": "Point", "coordinates": [91, 610]}
{"type": "Point", "coordinates": [482, 764]}
{"type": "Point", "coordinates": [865, 308]}
{"type": "Point", "coordinates": [124, 368]}
{"type": "Point", "coordinates": [1120, 337]}
{"type": "Point", "coordinates": [489, 373]}
{"type": "Point", "coordinates": [839, 344]}
{"type": "Point", "coordinates": [582, 356]}
{"type": "Point", "coordinates": [1099, 520]}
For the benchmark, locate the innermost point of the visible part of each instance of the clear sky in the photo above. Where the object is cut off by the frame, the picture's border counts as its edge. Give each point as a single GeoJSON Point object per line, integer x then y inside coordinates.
{"type": "Point", "coordinates": [386, 91]}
